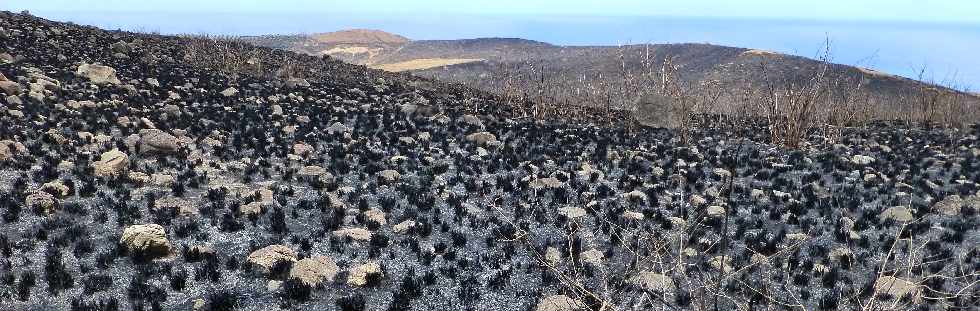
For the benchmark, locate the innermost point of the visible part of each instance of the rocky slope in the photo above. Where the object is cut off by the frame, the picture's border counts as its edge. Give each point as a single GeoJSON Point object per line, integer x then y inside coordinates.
{"type": "Point", "coordinates": [137, 175]}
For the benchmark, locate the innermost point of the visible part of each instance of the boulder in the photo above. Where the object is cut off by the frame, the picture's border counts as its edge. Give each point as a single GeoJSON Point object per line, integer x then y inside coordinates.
{"type": "Point", "coordinates": [359, 276]}
{"type": "Point", "coordinates": [9, 149]}
{"type": "Point", "coordinates": [10, 88]}
{"type": "Point", "coordinates": [375, 215]}
{"type": "Point", "coordinates": [389, 176]}
{"type": "Point", "coordinates": [146, 240]}
{"type": "Point", "coordinates": [154, 140]}
{"type": "Point", "coordinates": [314, 271]}
{"type": "Point", "coordinates": [57, 188]}
{"type": "Point", "coordinates": [293, 83]}
{"type": "Point", "coordinates": [403, 227]}
{"type": "Point", "coordinates": [229, 92]}
{"type": "Point", "coordinates": [98, 74]}
{"type": "Point", "coordinates": [653, 281]}
{"type": "Point", "coordinates": [357, 234]}
{"type": "Point", "coordinates": [716, 211]}
{"type": "Point", "coordinates": [268, 258]}
{"type": "Point", "coordinates": [898, 288]}
{"type": "Point", "coordinates": [862, 160]}
{"type": "Point", "coordinates": [593, 257]}
{"type": "Point", "coordinates": [42, 201]}
{"type": "Point", "coordinates": [111, 163]}
{"type": "Point", "coordinates": [571, 212]}
{"type": "Point", "coordinates": [559, 303]}
{"type": "Point", "coordinates": [897, 213]}
{"type": "Point", "coordinates": [481, 138]}
{"type": "Point", "coordinates": [546, 183]}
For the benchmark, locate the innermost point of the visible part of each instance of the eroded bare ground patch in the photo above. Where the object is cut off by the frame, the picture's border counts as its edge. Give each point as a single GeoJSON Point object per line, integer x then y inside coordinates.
{"type": "Point", "coordinates": [160, 178]}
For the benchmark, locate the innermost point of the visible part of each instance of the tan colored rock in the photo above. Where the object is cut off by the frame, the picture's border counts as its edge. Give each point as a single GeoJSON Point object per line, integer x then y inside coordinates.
{"type": "Point", "coordinates": [897, 213]}
{"type": "Point", "coordinates": [653, 281]}
{"type": "Point", "coordinates": [358, 276]}
{"type": "Point", "coordinates": [303, 150]}
{"type": "Point", "coordinates": [112, 163]}
{"type": "Point", "coordinates": [898, 288]}
{"type": "Point", "coordinates": [559, 303]}
{"type": "Point", "coordinates": [593, 257]}
{"type": "Point", "coordinates": [154, 140]}
{"type": "Point", "coordinates": [403, 226]}
{"type": "Point", "coordinates": [546, 183]}
{"type": "Point", "coordinates": [98, 74]}
{"type": "Point", "coordinates": [229, 92]}
{"type": "Point", "coordinates": [147, 240]}
{"type": "Point", "coordinates": [138, 178]}
{"type": "Point", "coordinates": [481, 138]}
{"type": "Point", "coordinates": [9, 149]}
{"type": "Point", "coordinates": [314, 271]}
{"type": "Point", "coordinates": [572, 212]}
{"type": "Point", "coordinates": [389, 176]}
{"type": "Point", "coordinates": [43, 201]}
{"type": "Point", "coordinates": [162, 180]}
{"type": "Point", "coordinates": [376, 215]}
{"type": "Point", "coordinates": [633, 215]}
{"type": "Point", "coordinates": [267, 258]}
{"type": "Point", "coordinates": [552, 256]}
{"type": "Point", "coordinates": [56, 187]}
{"type": "Point", "coordinates": [716, 211]}
{"type": "Point", "coordinates": [357, 234]}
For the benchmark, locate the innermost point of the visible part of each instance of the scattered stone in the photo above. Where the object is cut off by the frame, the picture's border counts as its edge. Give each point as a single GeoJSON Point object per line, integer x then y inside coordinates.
{"type": "Point", "coordinates": [572, 212]}
{"type": "Point", "coordinates": [552, 256]}
{"type": "Point", "coordinates": [42, 201]}
{"type": "Point", "coordinates": [403, 226]}
{"type": "Point", "coordinates": [593, 257]}
{"type": "Point", "coordinates": [862, 160]}
{"type": "Point", "coordinates": [112, 163]}
{"type": "Point", "coordinates": [357, 234]}
{"type": "Point", "coordinates": [653, 281]}
{"type": "Point", "coordinates": [389, 176]}
{"type": "Point", "coordinates": [359, 275]}
{"type": "Point", "coordinates": [314, 271]}
{"type": "Point", "coordinates": [897, 288]}
{"type": "Point", "coordinates": [146, 240]}
{"type": "Point", "coordinates": [268, 258]}
{"type": "Point", "coordinates": [897, 213]}
{"type": "Point", "coordinates": [560, 303]}
{"type": "Point", "coordinates": [481, 138]}
{"type": "Point", "coordinates": [716, 211]}
{"type": "Point", "coordinates": [375, 215]}
{"type": "Point", "coordinates": [229, 92]}
{"type": "Point", "coordinates": [157, 141]}
{"type": "Point", "coordinates": [98, 74]}
{"type": "Point", "coordinates": [546, 183]}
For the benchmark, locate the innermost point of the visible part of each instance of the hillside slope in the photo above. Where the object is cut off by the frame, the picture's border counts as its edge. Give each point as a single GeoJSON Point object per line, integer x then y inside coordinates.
{"type": "Point", "coordinates": [142, 172]}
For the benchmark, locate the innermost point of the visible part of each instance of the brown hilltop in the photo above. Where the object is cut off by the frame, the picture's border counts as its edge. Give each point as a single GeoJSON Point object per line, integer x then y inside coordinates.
{"type": "Point", "coordinates": [359, 36]}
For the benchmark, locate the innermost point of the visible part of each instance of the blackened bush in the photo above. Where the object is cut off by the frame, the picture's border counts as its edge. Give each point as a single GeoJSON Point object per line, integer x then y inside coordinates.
{"type": "Point", "coordinates": [224, 300]}
{"type": "Point", "coordinates": [351, 303]}
{"type": "Point", "coordinates": [178, 279]}
{"type": "Point", "coordinates": [55, 273]}
{"type": "Point", "coordinates": [97, 283]}
{"type": "Point", "coordinates": [107, 304]}
{"type": "Point", "coordinates": [296, 289]}
{"type": "Point", "coordinates": [140, 291]}
{"type": "Point", "coordinates": [278, 221]}
{"type": "Point", "coordinates": [27, 281]}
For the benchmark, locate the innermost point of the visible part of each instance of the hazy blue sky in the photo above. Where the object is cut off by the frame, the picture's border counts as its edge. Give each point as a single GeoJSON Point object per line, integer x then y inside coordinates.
{"type": "Point", "coordinates": [905, 10]}
{"type": "Point", "coordinates": [896, 36]}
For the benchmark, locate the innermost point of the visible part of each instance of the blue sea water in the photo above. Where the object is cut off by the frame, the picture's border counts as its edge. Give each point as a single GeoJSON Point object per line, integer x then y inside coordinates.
{"type": "Point", "coordinates": [948, 52]}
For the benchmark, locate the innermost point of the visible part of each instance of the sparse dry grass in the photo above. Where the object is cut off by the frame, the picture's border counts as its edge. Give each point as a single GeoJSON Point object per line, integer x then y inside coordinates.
{"type": "Point", "coordinates": [424, 63]}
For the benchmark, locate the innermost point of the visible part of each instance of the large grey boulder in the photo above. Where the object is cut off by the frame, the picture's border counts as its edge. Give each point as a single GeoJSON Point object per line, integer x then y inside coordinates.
{"type": "Point", "coordinates": [154, 140]}
{"type": "Point", "coordinates": [111, 163]}
{"type": "Point", "coordinates": [146, 240]}
{"type": "Point", "coordinates": [98, 74]}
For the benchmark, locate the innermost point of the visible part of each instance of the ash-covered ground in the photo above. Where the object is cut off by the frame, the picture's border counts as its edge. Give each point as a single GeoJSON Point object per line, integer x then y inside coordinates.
{"type": "Point", "coordinates": [156, 173]}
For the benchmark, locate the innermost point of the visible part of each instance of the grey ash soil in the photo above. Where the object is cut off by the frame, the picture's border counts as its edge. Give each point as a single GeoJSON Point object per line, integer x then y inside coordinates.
{"type": "Point", "coordinates": [460, 209]}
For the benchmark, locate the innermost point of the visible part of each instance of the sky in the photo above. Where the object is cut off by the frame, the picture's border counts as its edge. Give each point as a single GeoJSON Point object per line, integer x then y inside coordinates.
{"type": "Point", "coordinates": [895, 36]}
{"type": "Point", "coordinates": [892, 10]}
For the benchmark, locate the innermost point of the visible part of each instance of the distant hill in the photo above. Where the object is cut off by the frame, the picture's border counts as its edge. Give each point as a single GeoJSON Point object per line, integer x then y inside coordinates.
{"type": "Point", "coordinates": [484, 63]}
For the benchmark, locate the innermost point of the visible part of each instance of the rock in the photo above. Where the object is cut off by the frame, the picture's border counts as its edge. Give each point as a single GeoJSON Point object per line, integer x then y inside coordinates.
{"type": "Point", "coordinates": [153, 140]}
{"type": "Point", "coordinates": [546, 183]}
{"type": "Point", "coordinates": [593, 257]}
{"type": "Point", "coordinates": [897, 288]}
{"type": "Point", "coordinates": [633, 215]}
{"type": "Point", "coordinates": [375, 215]}
{"type": "Point", "coordinates": [717, 264]}
{"type": "Point", "coordinates": [481, 138]}
{"type": "Point", "coordinates": [199, 304]}
{"type": "Point", "coordinates": [121, 47]}
{"type": "Point", "coordinates": [571, 212]}
{"type": "Point", "coordinates": [897, 213]}
{"type": "Point", "coordinates": [716, 211]}
{"type": "Point", "coordinates": [359, 276]}
{"type": "Point", "coordinates": [57, 188]}
{"type": "Point", "coordinates": [153, 82]}
{"type": "Point", "coordinates": [389, 176]}
{"type": "Point", "coordinates": [112, 163]}
{"type": "Point", "coordinates": [253, 209]}
{"type": "Point", "coordinates": [337, 127]}
{"type": "Point", "coordinates": [862, 160]}
{"type": "Point", "coordinates": [162, 180]}
{"type": "Point", "coordinates": [182, 206]}
{"type": "Point", "coordinates": [42, 201]}
{"type": "Point", "coordinates": [229, 92]}
{"type": "Point", "coordinates": [293, 83]}
{"type": "Point", "coordinates": [635, 195]}
{"type": "Point", "coordinates": [697, 200]}
{"type": "Point", "coordinates": [146, 240]}
{"type": "Point", "coordinates": [314, 271]}
{"type": "Point", "coordinates": [268, 258]}
{"type": "Point", "coordinates": [98, 74]}
{"type": "Point", "coordinates": [951, 205]}
{"type": "Point", "coordinates": [357, 234]}
{"type": "Point", "coordinates": [552, 256]}
{"type": "Point", "coordinates": [838, 254]}
{"type": "Point", "coordinates": [403, 226]}
{"type": "Point", "coordinates": [721, 173]}
{"type": "Point", "coordinates": [559, 303]}
{"type": "Point", "coordinates": [472, 120]}
{"type": "Point", "coordinates": [138, 178]}
{"type": "Point", "coordinates": [303, 150]}
{"type": "Point", "coordinates": [311, 173]}
{"type": "Point", "coordinates": [10, 88]}
{"type": "Point", "coordinates": [653, 281]}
